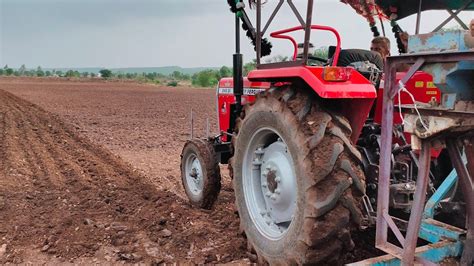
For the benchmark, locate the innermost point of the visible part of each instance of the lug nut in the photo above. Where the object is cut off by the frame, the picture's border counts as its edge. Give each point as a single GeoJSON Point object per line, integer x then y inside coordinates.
{"type": "Point", "coordinates": [264, 185]}
{"type": "Point", "coordinates": [273, 197]}
{"type": "Point", "coordinates": [268, 194]}
{"type": "Point", "coordinates": [278, 191]}
{"type": "Point", "coordinates": [278, 179]}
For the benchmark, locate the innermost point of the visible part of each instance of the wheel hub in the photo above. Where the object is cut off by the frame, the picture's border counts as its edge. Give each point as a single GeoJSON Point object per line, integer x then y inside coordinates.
{"type": "Point", "coordinates": [278, 182]}
{"type": "Point", "coordinates": [194, 175]}
{"type": "Point", "coordinates": [272, 183]}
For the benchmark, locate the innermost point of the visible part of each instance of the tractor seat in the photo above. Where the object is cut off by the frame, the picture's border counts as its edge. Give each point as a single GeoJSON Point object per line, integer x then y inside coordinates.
{"type": "Point", "coordinates": [368, 63]}
{"type": "Point", "coordinates": [350, 56]}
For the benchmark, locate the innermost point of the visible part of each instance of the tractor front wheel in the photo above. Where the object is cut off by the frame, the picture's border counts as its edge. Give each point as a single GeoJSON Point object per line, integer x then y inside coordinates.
{"type": "Point", "coordinates": [297, 179]}
{"type": "Point", "coordinates": [200, 173]}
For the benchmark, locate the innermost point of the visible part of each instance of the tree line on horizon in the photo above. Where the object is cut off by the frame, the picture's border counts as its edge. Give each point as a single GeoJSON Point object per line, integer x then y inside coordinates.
{"type": "Point", "coordinates": [204, 78]}
{"type": "Point", "coordinates": [39, 72]}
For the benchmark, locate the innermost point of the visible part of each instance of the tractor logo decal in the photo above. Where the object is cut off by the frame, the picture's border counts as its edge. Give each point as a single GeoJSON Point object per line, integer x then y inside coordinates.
{"type": "Point", "coordinates": [247, 91]}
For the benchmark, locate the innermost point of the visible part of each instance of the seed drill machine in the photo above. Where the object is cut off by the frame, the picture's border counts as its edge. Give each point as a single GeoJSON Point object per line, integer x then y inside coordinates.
{"type": "Point", "coordinates": [323, 151]}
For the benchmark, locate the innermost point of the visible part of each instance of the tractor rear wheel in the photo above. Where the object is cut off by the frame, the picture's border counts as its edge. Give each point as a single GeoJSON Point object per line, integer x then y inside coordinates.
{"type": "Point", "coordinates": [200, 173]}
{"type": "Point", "coordinates": [297, 179]}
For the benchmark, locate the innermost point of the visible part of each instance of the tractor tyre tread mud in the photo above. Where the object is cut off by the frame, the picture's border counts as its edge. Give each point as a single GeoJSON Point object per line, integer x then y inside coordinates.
{"type": "Point", "coordinates": [331, 176]}
{"type": "Point", "coordinates": [211, 171]}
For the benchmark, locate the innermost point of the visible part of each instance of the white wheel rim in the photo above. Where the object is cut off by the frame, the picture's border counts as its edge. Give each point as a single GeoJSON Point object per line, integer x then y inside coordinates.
{"type": "Point", "coordinates": [194, 175]}
{"type": "Point", "coordinates": [269, 183]}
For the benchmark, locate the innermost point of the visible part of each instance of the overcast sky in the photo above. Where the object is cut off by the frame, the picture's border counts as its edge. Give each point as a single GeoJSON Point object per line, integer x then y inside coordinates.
{"type": "Point", "coordinates": [148, 33]}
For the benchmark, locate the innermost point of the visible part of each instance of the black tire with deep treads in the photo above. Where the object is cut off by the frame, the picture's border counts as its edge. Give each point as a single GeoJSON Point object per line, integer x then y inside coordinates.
{"type": "Point", "coordinates": [211, 172]}
{"type": "Point", "coordinates": [330, 182]}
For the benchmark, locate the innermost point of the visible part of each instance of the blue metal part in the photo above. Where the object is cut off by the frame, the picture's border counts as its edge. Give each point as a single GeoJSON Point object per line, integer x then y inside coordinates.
{"type": "Point", "coordinates": [435, 253]}
{"type": "Point", "coordinates": [448, 100]}
{"type": "Point", "coordinates": [434, 231]}
{"type": "Point", "coordinates": [446, 240]}
{"type": "Point", "coordinates": [441, 41]}
{"type": "Point", "coordinates": [440, 194]}
{"type": "Point", "coordinates": [454, 78]}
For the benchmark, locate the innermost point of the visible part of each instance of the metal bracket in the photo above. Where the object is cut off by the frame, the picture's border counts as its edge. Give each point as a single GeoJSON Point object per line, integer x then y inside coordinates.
{"type": "Point", "coordinates": [409, 250]}
{"type": "Point", "coordinates": [305, 24]}
{"type": "Point", "coordinates": [454, 15]}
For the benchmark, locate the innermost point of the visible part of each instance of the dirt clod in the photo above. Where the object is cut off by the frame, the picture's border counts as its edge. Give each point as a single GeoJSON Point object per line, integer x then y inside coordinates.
{"type": "Point", "coordinates": [166, 233]}
{"type": "Point", "coordinates": [3, 250]}
{"type": "Point", "coordinates": [45, 248]}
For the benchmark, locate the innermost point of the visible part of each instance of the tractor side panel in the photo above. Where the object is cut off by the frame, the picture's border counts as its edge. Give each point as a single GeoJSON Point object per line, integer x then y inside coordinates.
{"type": "Point", "coordinates": [357, 87]}
{"type": "Point", "coordinates": [226, 100]}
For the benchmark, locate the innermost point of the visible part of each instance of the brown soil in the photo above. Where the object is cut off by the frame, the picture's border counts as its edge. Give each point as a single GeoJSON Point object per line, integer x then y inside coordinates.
{"type": "Point", "coordinates": [104, 185]}
{"type": "Point", "coordinates": [66, 198]}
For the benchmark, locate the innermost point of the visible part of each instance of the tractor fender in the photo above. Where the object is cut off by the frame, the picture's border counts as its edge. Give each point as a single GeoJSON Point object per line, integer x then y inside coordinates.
{"type": "Point", "coordinates": [356, 87]}
{"type": "Point", "coordinates": [352, 98]}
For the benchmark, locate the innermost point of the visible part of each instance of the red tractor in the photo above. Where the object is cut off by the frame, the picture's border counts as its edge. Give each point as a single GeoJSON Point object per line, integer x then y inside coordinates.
{"type": "Point", "coordinates": [302, 140]}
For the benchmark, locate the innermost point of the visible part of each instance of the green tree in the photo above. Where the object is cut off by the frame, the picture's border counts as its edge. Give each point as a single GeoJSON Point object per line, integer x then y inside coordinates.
{"type": "Point", "coordinates": [72, 74]}
{"type": "Point", "coordinates": [176, 75]}
{"type": "Point", "coordinates": [151, 76]}
{"type": "Point", "coordinates": [105, 73]}
{"type": "Point", "coordinates": [39, 72]}
{"type": "Point", "coordinates": [249, 67]}
{"type": "Point", "coordinates": [69, 74]}
{"type": "Point", "coordinates": [48, 73]}
{"type": "Point", "coordinates": [225, 72]}
{"type": "Point", "coordinates": [321, 52]}
{"type": "Point", "coordinates": [85, 74]}
{"type": "Point", "coordinates": [22, 70]}
{"type": "Point", "coordinates": [2, 71]}
{"type": "Point", "coordinates": [205, 78]}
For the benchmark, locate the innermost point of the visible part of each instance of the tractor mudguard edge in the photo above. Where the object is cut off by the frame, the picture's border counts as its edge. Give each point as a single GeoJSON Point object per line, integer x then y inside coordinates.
{"type": "Point", "coordinates": [353, 98]}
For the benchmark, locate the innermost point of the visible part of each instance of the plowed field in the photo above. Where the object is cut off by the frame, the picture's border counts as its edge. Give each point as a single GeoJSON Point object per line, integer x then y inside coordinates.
{"type": "Point", "coordinates": [103, 185]}
{"type": "Point", "coordinates": [89, 173]}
